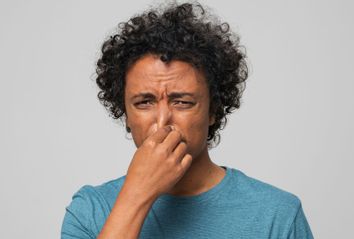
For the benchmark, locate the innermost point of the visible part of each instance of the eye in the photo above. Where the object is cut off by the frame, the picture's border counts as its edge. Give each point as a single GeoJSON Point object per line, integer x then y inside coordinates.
{"type": "Point", "coordinates": [143, 103]}
{"type": "Point", "coordinates": [184, 104]}
{"type": "Point", "coordinates": [179, 102]}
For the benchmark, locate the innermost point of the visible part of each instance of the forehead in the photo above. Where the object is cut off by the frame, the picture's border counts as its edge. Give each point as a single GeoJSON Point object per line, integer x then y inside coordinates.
{"type": "Point", "coordinates": [149, 73]}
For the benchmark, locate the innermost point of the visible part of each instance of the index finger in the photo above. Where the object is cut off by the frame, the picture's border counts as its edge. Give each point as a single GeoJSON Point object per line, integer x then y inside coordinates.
{"type": "Point", "coordinates": [160, 134]}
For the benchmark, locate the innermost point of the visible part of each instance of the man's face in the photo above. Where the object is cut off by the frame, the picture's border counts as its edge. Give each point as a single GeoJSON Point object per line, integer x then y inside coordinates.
{"type": "Point", "coordinates": [159, 94]}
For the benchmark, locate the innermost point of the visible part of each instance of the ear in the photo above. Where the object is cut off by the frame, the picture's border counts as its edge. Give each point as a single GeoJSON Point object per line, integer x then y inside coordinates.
{"type": "Point", "coordinates": [127, 126]}
{"type": "Point", "coordinates": [211, 120]}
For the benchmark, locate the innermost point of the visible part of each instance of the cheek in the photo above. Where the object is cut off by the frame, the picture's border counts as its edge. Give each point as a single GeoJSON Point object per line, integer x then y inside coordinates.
{"type": "Point", "coordinates": [138, 129]}
{"type": "Point", "coordinates": [194, 129]}
{"type": "Point", "coordinates": [141, 128]}
{"type": "Point", "coordinates": [195, 134]}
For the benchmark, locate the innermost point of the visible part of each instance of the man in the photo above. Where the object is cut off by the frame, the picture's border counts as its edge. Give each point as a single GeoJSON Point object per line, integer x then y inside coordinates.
{"type": "Point", "coordinates": [173, 76]}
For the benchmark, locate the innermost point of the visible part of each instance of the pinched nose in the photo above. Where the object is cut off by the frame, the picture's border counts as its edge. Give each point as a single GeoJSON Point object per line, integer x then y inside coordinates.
{"type": "Point", "coordinates": [163, 115]}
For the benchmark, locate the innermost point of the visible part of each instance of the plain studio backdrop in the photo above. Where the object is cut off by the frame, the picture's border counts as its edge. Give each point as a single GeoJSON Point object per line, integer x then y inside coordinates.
{"type": "Point", "coordinates": [294, 129]}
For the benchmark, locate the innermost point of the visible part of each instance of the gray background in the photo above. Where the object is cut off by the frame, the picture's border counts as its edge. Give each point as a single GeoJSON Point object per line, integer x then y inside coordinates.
{"type": "Point", "coordinates": [294, 129]}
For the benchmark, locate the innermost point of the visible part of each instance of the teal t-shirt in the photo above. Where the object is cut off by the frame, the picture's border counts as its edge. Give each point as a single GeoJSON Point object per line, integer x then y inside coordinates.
{"type": "Point", "coordinates": [237, 207]}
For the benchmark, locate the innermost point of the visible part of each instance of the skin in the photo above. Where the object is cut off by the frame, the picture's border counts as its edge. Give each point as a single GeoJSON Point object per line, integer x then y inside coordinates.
{"type": "Point", "coordinates": [170, 132]}
{"type": "Point", "coordinates": [189, 115]}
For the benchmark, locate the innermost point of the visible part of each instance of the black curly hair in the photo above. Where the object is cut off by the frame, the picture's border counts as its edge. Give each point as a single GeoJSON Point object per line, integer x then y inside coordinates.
{"type": "Point", "coordinates": [179, 32]}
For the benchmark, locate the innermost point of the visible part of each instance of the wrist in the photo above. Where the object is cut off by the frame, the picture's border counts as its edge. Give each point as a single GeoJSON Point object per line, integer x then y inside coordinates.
{"type": "Point", "coordinates": [136, 197]}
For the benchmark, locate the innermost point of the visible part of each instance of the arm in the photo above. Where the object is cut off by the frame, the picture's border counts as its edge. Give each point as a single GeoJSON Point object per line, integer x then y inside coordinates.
{"type": "Point", "coordinates": [127, 216]}
{"type": "Point", "coordinates": [157, 166]}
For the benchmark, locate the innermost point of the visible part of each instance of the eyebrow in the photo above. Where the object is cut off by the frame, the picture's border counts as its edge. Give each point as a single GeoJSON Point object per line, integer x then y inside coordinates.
{"type": "Point", "coordinates": [173, 95]}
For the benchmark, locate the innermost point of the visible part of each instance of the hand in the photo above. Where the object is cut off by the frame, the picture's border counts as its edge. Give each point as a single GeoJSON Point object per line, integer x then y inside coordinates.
{"type": "Point", "coordinates": [158, 164]}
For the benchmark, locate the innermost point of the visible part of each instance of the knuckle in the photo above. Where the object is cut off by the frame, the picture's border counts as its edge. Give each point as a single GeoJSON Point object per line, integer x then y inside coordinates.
{"type": "Point", "coordinates": [177, 134]}
{"type": "Point", "coordinates": [171, 161]}
{"type": "Point", "coordinates": [173, 158]}
{"type": "Point", "coordinates": [149, 143]}
{"type": "Point", "coordinates": [161, 151]}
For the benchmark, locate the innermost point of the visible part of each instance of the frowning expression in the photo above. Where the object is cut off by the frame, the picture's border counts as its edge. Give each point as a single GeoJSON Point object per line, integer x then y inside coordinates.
{"type": "Point", "coordinates": [159, 94]}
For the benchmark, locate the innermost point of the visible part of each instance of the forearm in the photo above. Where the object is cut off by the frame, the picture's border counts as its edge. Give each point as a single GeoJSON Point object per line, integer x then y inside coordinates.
{"type": "Point", "coordinates": [127, 216]}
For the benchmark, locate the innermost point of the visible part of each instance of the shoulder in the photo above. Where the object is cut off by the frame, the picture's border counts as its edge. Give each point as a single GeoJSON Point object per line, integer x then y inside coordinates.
{"type": "Point", "coordinates": [256, 190]}
{"type": "Point", "coordinates": [109, 190]}
{"type": "Point", "coordinates": [89, 208]}
{"type": "Point", "coordinates": [269, 200]}
{"type": "Point", "coordinates": [275, 206]}
{"type": "Point", "coordinates": [104, 194]}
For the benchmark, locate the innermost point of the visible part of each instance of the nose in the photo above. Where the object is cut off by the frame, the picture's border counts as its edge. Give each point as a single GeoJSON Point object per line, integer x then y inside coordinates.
{"type": "Point", "coordinates": [163, 115]}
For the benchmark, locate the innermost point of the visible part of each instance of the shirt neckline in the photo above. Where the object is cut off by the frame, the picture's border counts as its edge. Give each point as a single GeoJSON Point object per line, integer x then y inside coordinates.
{"type": "Point", "coordinates": [205, 196]}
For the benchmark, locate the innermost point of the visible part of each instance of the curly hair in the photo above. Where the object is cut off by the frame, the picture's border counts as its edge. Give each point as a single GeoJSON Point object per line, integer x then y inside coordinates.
{"type": "Point", "coordinates": [179, 32]}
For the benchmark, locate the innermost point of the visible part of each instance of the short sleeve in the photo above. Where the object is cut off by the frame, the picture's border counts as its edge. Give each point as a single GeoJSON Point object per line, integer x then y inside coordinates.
{"type": "Point", "coordinates": [300, 228]}
{"type": "Point", "coordinates": [77, 221]}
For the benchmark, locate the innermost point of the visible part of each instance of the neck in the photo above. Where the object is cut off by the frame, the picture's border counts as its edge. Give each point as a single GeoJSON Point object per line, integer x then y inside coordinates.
{"type": "Point", "coordinates": [201, 176]}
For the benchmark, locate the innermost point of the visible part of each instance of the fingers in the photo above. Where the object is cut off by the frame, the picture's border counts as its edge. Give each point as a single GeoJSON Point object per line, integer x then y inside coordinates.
{"type": "Point", "coordinates": [172, 140]}
{"type": "Point", "coordinates": [186, 162]}
{"type": "Point", "coordinates": [160, 134]}
{"type": "Point", "coordinates": [180, 151]}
